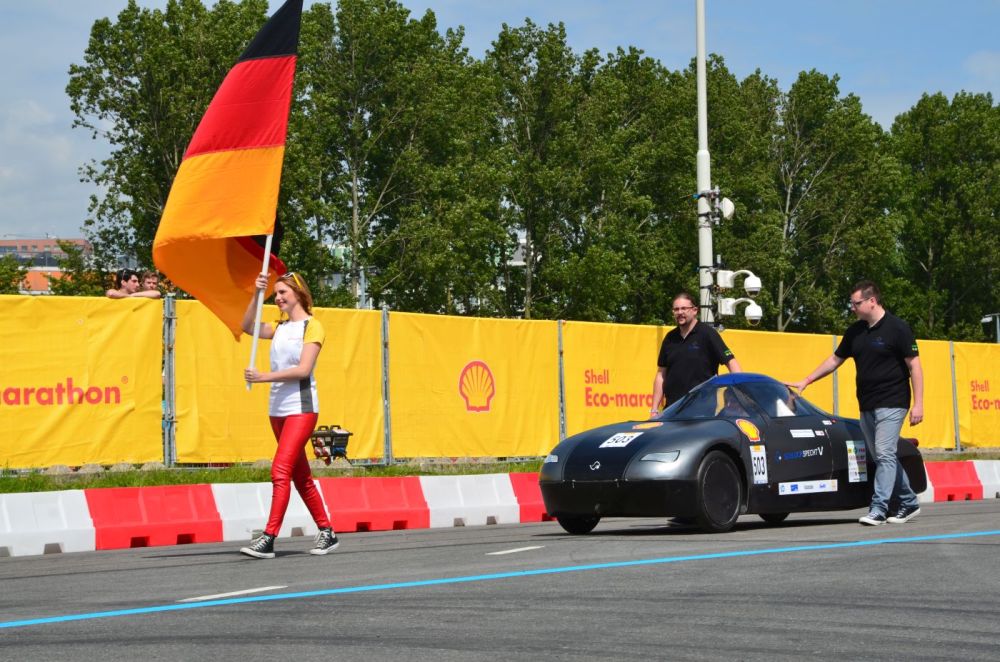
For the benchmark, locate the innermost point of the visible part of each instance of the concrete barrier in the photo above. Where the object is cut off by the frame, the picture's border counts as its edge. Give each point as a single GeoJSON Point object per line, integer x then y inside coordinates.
{"type": "Point", "coordinates": [245, 507]}
{"type": "Point", "coordinates": [954, 481]}
{"type": "Point", "coordinates": [529, 497]}
{"type": "Point", "coordinates": [34, 523]}
{"type": "Point", "coordinates": [127, 517]}
{"type": "Point", "coordinates": [470, 500]}
{"type": "Point", "coordinates": [989, 476]}
{"type": "Point", "coordinates": [375, 504]}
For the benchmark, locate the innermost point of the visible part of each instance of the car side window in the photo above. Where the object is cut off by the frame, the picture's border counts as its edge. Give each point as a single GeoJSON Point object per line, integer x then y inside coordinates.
{"type": "Point", "coordinates": [777, 401]}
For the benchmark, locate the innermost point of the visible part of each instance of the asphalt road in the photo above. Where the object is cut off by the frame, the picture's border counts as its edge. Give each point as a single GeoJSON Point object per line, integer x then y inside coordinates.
{"type": "Point", "coordinates": [817, 587]}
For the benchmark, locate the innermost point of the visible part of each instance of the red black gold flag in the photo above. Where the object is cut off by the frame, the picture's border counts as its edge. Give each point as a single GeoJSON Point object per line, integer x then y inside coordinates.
{"type": "Point", "coordinates": [210, 241]}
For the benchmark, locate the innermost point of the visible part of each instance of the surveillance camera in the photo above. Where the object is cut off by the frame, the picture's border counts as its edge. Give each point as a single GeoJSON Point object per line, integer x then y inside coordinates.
{"type": "Point", "coordinates": [727, 208]}
{"type": "Point", "coordinates": [752, 285]}
{"type": "Point", "coordinates": [753, 314]}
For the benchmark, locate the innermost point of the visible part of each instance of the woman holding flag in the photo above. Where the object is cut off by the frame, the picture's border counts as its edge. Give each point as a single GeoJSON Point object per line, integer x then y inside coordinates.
{"type": "Point", "coordinates": [296, 341]}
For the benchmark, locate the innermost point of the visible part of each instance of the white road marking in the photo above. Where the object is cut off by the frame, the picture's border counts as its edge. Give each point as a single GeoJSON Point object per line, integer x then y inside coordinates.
{"type": "Point", "coordinates": [514, 551]}
{"type": "Point", "coordinates": [229, 595]}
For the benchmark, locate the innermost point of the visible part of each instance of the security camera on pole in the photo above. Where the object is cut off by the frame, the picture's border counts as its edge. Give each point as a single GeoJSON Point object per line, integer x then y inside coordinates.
{"type": "Point", "coordinates": [712, 209]}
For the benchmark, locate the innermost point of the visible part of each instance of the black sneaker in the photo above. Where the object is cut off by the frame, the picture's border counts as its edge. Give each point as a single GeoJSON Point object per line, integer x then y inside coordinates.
{"type": "Point", "coordinates": [905, 514]}
{"type": "Point", "coordinates": [261, 547]}
{"type": "Point", "coordinates": [873, 519]}
{"type": "Point", "coordinates": [326, 542]}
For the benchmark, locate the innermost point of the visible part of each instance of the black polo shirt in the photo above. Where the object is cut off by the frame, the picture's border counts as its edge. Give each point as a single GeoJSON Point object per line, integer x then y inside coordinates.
{"type": "Point", "coordinates": [880, 354]}
{"type": "Point", "coordinates": [690, 361]}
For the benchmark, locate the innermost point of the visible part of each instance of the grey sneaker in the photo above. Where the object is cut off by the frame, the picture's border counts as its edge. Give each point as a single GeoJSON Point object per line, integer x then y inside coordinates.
{"type": "Point", "coordinates": [261, 547]}
{"type": "Point", "coordinates": [326, 542]}
{"type": "Point", "coordinates": [905, 514]}
{"type": "Point", "coordinates": [873, 519]}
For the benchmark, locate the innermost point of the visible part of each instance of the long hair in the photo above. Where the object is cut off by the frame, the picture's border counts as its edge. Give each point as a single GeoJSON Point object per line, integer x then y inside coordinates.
{"type": "Point", "coordinates": [302, 293]}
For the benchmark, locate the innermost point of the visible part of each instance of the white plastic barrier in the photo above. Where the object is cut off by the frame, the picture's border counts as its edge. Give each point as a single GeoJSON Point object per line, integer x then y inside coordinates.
{"type": "Point", "coordinates": [45, 523]}
{"type": "Point", "coordinates": [927, 496]}
{"type": "Point", "coordinates": [244, 509]}
{"type": "Point", "coordinates": [470, 500]}
{"type": "Point", "coordinates": [989, 475]}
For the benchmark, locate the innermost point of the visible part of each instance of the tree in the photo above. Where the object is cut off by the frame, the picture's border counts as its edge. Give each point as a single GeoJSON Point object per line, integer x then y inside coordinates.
{"type": "Point", "coordinates": [833, 222]}
{"type": "Point", "coordinates": [950, 152]}
{"type": "Point", "coordinates": [12, 274]}
{"type": "Point", "coordinates": [81, 276]}
{"type": "Point", "coordinates": [144, 84]}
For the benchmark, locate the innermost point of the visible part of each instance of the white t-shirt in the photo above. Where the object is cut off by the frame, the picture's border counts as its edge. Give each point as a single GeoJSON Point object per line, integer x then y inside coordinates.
{"type": "Point", "coordinates": [297, 397]}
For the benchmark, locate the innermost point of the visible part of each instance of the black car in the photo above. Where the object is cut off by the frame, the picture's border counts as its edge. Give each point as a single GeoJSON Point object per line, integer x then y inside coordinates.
{"type": "Point", "coordinates": [736, 444]}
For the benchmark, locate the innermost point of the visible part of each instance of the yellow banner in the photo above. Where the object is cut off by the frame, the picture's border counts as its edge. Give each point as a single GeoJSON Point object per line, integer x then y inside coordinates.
{"type": "Point", "coordinates": [938, 427]}
{"type": "Point", "coordinates": [472, 387]}
{"type": "Point", "coordinates": [218, 420]}
{"type": "Point", "coordinates": [788, 357]}
{"type": "Point", "coordinates": [80, 381]}
{"type": "Point", "coordinates": [608, 372]}
{"type": "Point", "coordinates": [977, 378]}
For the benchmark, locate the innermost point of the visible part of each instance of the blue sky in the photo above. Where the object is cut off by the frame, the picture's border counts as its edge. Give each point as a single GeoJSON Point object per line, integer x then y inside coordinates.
{"type": "Point", "coordinates": [886, 52]}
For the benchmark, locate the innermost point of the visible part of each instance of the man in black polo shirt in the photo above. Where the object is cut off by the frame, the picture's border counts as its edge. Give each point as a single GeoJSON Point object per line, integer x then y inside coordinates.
{"type": "Point", "coordinates": [885, 354]}
{"type": "Point", "coordinates": [690, 354]}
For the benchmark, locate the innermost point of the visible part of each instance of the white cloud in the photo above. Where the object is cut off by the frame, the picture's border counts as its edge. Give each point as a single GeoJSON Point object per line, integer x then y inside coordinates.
{"type": "Point", "coordinates": [984, 66]}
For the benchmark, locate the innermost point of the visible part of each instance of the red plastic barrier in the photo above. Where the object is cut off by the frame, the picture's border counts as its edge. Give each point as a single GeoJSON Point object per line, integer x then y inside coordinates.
{"type": "Point", "coordinates": [529, 497]}
{"type": "Point", "coordinates": [954, 481]}
{"type": "Point", "coordinates": [151, 516]}
{"type": "Point", "coordinates": [375, 504]}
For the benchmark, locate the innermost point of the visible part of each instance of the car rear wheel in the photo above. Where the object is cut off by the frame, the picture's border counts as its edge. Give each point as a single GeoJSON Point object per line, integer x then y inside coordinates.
{"type": "Point", "coordinates": [773, 518]}
{"type": "Point", "coordinates": [720, 492]}
{"type": "Point", "coordinates": [578, 524]}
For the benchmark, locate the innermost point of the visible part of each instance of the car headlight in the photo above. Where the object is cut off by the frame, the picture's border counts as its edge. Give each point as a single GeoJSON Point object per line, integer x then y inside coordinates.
{"type": "Point", "coordinates": [666, 458]}
{"type": "Point", "coordinates": [551, 458]}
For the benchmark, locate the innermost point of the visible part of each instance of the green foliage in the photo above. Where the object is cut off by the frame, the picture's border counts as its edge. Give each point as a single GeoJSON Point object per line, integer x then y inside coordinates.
{"type": "Point", "coordinates": [80, 276]}
{"type": "Point", "coordinates": [12, 274]}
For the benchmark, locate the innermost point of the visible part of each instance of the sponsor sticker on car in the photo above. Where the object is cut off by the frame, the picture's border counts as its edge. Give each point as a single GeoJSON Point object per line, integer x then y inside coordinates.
{"type": "Point", "coordinates": [802, 434]}
{"type": "Point", "coordinates": [620, 440]}
{"type": "Point", "coordinates": [807, 487]}
{"type": "Point", "coordinates": [646, 426]}
{"type": "Point", "coordinates": [857, 462]}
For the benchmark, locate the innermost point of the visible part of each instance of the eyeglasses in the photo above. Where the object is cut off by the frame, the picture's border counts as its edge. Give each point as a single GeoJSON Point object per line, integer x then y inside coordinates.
{"type": "Point", "coordinates": [680, 309]}
{"type": "Point", "coordinates": [854, 304]}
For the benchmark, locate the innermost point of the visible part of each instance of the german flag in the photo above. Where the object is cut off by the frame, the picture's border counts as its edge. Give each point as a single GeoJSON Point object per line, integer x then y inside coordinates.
{"type": "Point", "coordinates": [210, 241]}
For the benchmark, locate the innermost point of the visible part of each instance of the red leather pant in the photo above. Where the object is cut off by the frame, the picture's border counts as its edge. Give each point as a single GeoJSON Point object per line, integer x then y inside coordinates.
{"type": "Point", "coordinates": [290, 465]}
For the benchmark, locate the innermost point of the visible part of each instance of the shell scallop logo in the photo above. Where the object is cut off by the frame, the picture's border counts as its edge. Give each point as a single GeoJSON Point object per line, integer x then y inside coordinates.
{"type": "Point", "coordinates": [476, 385]}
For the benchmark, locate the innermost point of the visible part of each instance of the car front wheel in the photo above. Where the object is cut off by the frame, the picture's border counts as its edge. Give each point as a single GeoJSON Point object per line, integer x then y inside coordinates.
{"type": "Point", "coordinates": [720, 491]}
{"type": "Point", "coordinates": [578, 524]}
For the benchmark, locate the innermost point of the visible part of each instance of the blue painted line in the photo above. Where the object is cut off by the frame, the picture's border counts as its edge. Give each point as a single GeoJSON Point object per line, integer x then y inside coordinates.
{"type": "Point", "coordinates": [486, 577]}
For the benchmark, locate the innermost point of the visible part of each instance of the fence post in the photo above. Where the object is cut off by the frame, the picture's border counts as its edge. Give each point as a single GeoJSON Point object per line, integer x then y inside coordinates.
{"type": "Point", "coordinates": [836, 383]}
{"type": "Point", "coordinates": [169, 384]}
{"type": "Point", "coordinates": [954, 396]}
{"type": "Point", "coordinates": [386, 410]}
{"type": "Point", "coordinates": [562, 384]}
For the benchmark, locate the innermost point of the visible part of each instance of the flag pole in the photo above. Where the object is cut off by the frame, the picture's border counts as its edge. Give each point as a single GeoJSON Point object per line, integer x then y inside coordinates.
{"type": "Point", "coordinates": [260, 305]}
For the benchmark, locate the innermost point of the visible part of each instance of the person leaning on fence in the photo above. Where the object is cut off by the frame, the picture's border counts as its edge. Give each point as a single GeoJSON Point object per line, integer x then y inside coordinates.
{"type": "Point", "coordinates": [296, 341]}
{"type": "Point", "coordinates": [126, 284]}
{"type": "Point", "coordinates": [887, 361]}
{"type": "Point", "coordinates": [149, 285]}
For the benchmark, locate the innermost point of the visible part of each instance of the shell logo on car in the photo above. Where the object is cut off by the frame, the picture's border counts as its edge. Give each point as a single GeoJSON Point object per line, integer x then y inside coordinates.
{"type": "Point", "coordinates": [476, 386]}
{"type": "Point", "coordinates": [748, 428]}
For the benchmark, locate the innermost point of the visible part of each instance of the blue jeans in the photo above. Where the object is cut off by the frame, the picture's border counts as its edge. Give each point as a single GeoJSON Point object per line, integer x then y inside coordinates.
{"type": "Point", "coordinates": [881, 429]}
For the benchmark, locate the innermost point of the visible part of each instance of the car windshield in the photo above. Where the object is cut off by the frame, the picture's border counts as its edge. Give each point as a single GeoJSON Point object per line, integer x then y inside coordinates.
{"type": "Point", "coordinates": [712, 400]}
{"type": "Point", "coordinates": [708, 402]}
